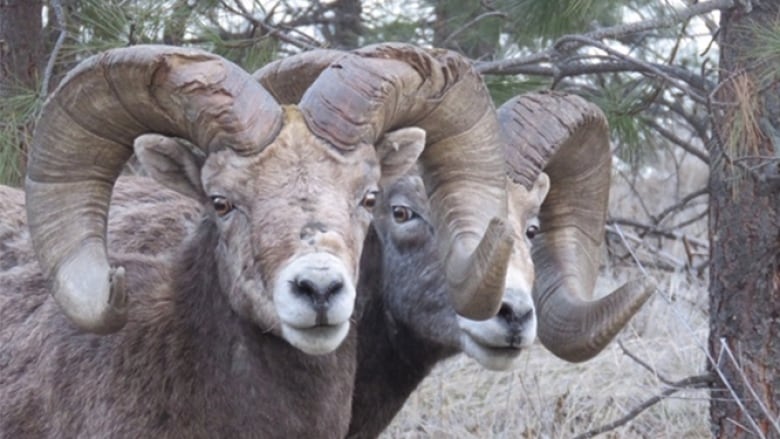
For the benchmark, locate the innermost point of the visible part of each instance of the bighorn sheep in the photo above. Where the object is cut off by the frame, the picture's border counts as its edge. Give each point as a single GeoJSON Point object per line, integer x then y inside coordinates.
{"type": "Point", "coordinates": [408, 326]}
{"type": "Point", "coordinates": [406, 323]}
{"type": "Point", "coordinates": [210, 331]}
{"type": "Point", "coordinates": [412, 326]}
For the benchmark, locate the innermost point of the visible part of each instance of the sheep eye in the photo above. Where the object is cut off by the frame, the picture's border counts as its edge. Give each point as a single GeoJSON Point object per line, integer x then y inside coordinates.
{"type": "Point", "coordinates": [531, 231]}
{"type": "Point", "coordinates": [221, 205]}
{"type": "Point", "coordinates": [402, 214]}
{"type": "Point", "coordinates": [369, 200]}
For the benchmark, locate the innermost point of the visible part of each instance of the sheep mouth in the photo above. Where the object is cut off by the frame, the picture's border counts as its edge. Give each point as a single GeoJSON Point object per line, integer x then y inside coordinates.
{"type": "Point", "coordinates": [316, 339]}
{"type": "Point", "coordinates": [504, 347]}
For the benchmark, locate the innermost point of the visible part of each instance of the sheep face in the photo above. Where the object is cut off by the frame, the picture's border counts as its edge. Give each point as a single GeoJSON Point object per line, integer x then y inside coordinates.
{"type": "Point", "coordinates": [413, 286]}
{"type": "Point", "coordinates": [497, 342]}
{"type": "Point", "coordinates": [292, 220]}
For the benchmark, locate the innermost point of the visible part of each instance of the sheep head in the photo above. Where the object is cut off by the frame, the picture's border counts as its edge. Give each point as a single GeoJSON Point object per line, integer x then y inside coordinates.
{"type": "Point", "coordinates": [567, 138]}
{"type": "Point", "coordinates": [428, 89]}
{"type": "Point", "coordinates": [288, 189]}
{"type": "Point", "coordinates": [497, 342]}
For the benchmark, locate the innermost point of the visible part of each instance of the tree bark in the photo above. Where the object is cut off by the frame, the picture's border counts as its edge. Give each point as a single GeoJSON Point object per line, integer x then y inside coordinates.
{"type": "Point", "coordinates": [20, 44]}
{"type": "Point", "coordinates": [744, 226]}
{"type": "Point", "coordinates": [347, 24]}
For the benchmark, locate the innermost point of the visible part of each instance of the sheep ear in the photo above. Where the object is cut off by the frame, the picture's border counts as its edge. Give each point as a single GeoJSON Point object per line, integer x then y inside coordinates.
{"type": "Point", "coordinates": [172, 162]}
{"type": "Point", "coordinates": [398, 151]}
{"type": "Point", "coordinates": [540, 188]}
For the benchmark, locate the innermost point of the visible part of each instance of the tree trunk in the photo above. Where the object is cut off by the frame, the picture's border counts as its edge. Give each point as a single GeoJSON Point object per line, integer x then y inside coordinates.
{"type": "Point", "coordinates": [744, 224]}
{"type": "Point", "coordinates": [20, 44]}
{"type": "Point", "coordinates": [347, 24]}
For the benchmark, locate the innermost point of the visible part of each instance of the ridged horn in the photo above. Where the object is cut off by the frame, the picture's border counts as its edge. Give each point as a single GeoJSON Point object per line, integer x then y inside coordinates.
{"type": "Point", "coordinates": [287, 79]}
{"type": "Point", "coordinates": [84, 136]}
{"type": "Point", "coordinates": [568, 138]}
{"type": "Point", "coordinates": [359, 96]}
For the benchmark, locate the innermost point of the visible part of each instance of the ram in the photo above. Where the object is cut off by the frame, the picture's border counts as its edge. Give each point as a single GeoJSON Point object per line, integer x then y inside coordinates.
{"type": "Point", "coordinates": [212, 338]}
{"type": "Point", "coordinates": [407, 323]}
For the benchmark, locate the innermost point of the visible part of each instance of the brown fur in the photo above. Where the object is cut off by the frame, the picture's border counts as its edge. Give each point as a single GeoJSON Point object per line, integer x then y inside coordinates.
{"type": "Point", "coordinates": [185, 366]}
{"type": "Point", "coordinates": [406, 323]}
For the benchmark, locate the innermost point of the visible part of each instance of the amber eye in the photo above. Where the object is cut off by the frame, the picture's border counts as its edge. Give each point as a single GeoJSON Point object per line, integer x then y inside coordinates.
{"type": "Point", "coordinates": [531, 231]}
{"type": "Point", "coordinates": [369, 200]}
{"type": "Point", "coordinates": [402, 214]}
{"type": "Point", "coordinates": [221, 205]}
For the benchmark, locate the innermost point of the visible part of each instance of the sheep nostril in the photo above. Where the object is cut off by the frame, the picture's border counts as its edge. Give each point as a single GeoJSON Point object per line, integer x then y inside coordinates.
{"type": "Point", "coordinates": [526, 317]}
{"type": "Point", "coordinates": [319, 291]}
{"type": "Point", "coordinates": [505, 312]}
{"type": "Point", "coordinates": [513, 316]}
{"type": "Point", "coordinates": [334, 287]}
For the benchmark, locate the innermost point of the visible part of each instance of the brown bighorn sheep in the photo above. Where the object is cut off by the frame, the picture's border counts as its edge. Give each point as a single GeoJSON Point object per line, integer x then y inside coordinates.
{"type": "Point", "coordinates": [212, 103]}
{"type": "Point", "coordinates": [210, 331]}
{"type": "Point", "coordinates": [407, 324]}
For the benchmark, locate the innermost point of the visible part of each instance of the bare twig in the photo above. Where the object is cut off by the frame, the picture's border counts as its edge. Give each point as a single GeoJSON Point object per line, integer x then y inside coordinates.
{"type": "Point", "coordinates": [270, 30]}
{"type": "Point", "coordinates": [646, 66]}
{"type": "Point", "coordinates": [681, 205]}
{"type": "Point", "coordinates": [654, 230]}
{"type": "Point", "coordinates": [686, 146]}
{"type": "Point", "coordinates": [60, 16]}
{"type": "Point", "coordinates": [470, 23]}
{"type": "Point", "coordinates": [692, 382]}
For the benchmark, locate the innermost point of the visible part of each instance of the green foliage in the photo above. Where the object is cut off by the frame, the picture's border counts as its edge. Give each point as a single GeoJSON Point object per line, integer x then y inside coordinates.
{"type": "Point", "coordinates": [503, 88]}
{"type": "Point", "coordinates": [765, 53]}
{"type": "Point", "coordinates": [625, 102]}
{"type": "Point", "coordinates": [535, 22]}
{"type": "Point", "coordinates": [17, 113]}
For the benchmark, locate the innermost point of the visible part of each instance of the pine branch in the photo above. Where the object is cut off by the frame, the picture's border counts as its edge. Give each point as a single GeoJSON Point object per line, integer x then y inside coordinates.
{"type": "Point", "coordinates": [470, 23]}
{"type": "Point", "coordinates": [270, 30]}
{"type": "Point", "coordinates": [567, 44]}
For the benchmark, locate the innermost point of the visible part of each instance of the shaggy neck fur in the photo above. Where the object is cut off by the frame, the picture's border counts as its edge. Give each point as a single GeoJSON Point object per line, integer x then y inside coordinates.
{"type": "Point", "coordinates": [392, 358]}
{"type": "Point", "coordinates": [184, 367]}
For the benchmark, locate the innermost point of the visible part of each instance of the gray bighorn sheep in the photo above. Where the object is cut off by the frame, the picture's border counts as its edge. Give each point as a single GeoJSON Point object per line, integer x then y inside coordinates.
{"type": "Point", "coordinates": [407, 325]}
{"type": "Point", "coordinates": [207, 346]}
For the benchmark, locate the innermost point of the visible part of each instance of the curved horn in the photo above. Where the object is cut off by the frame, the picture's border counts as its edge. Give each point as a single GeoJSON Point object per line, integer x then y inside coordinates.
{"type": "Point", "coordinates": [84, 136]}
{"type": "Point", "coordinates": [362, 94]}
{"type": "Point", "coordinates": [287, 79]}
{"type": "Point", "coordinates": [568, 138]}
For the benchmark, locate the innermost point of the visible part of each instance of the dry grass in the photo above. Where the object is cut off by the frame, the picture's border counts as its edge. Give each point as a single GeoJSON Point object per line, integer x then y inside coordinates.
{"type": "Point", "coordinates": [546, 397]}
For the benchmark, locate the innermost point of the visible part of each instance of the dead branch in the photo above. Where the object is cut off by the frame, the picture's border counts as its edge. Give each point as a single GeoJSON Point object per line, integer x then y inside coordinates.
{"type": "Point", "coordinates": [654, 230]}
{"type": "Point", "coordinates": [691, 382]}
{"type": "Point", "coordinates": [63, 30]}
{"type": "Point", "coordinates": [657, 219]}
{"type": "Point", "coordinates": [470, 23]}
{"type": "Point", "coordinates": [685, 146]}
{"type": "Point", "coordinates": [270, 30]}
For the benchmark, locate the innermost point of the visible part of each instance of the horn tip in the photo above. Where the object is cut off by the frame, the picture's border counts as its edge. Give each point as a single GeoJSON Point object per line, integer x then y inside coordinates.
{"type": "Point", "coordinates": [95, 300]}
